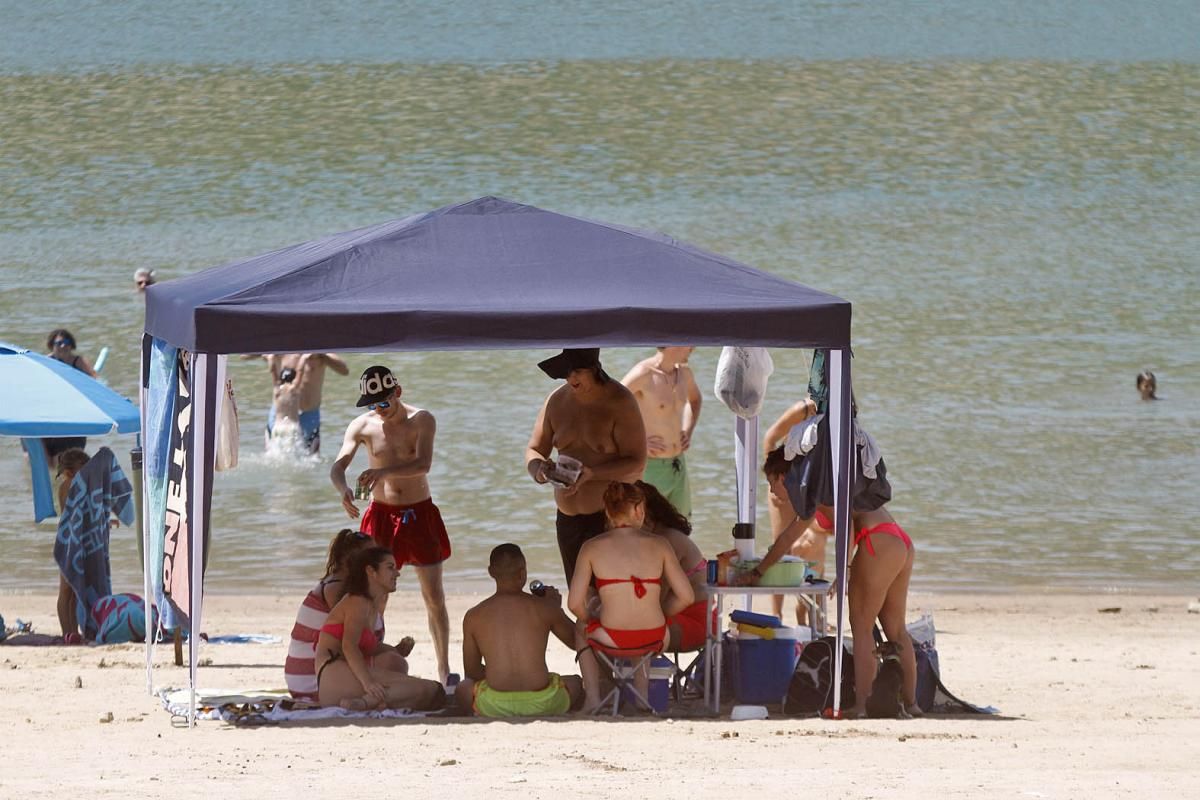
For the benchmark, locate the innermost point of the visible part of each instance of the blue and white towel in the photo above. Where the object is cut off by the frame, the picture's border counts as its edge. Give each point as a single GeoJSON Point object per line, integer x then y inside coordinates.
{"type": "Point", "coordinates": [98, 491]}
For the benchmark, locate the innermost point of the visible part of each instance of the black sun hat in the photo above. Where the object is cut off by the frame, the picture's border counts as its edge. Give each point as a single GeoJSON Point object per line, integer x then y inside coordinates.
{"type": "Point", "coordinates": [560, 366]}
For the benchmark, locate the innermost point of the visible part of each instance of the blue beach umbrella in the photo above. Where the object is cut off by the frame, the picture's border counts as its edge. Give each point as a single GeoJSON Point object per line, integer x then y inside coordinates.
{"type": "Point", "coordinates": [41, 396]}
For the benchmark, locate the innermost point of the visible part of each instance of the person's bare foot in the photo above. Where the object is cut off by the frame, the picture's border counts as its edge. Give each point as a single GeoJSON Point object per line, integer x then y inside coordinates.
{"type": "Point", "coordinates": [354, 704]}
{"type": "Point", "coordinates": [914, 710]}
{"type": "Point", "coordinates": [856, 713]}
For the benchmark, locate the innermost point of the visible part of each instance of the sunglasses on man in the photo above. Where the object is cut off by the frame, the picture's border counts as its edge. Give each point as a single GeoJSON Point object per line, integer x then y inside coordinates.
{"type": "Point", "coordinates": [380, 404]}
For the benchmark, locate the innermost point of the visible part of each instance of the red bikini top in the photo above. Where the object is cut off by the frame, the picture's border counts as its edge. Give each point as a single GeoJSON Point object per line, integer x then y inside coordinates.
{"type": "Point", "coordinates": [639, 584]}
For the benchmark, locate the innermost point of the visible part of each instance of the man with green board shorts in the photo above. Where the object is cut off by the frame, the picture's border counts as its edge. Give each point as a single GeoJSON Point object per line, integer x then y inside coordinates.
{"type": "Point", "coordinates": [669, 400]}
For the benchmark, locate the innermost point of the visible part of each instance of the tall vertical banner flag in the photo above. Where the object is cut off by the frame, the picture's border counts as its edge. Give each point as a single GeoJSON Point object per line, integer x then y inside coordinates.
{"type": "Point", "coordinates": [177, 538]}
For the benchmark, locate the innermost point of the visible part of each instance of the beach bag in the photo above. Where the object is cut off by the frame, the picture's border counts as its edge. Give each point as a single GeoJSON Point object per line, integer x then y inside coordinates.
{"type": "Point", "coordinates": [741, 382]}
{"type": "Point", "coordinates": [811, 688]}
{"type": "Point", "coordinates": [120, 618]}
{"type": "Point", "coordinates": [924, 640]}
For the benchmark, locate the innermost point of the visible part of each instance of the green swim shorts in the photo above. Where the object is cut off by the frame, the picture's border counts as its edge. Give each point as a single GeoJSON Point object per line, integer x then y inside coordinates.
{"type": "Point", "coordinates": [669, 476]}
{"type": "Point", "coordinates": [551, 701]}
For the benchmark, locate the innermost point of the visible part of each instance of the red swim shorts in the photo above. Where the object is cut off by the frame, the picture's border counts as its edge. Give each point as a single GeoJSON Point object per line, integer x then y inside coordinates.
{"type": "Point", "coordinates": [691, 625]}
{"type": "Point", "coordinates": [416, 533]}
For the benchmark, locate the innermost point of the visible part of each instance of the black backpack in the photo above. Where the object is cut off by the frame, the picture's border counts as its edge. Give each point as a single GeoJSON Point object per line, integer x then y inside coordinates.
{"type": "Point", "coordinates": [811, 689]}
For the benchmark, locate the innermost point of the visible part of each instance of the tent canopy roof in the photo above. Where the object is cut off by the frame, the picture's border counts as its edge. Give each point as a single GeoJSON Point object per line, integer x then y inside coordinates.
{"type": "Point", "coordinates": [490, 273]}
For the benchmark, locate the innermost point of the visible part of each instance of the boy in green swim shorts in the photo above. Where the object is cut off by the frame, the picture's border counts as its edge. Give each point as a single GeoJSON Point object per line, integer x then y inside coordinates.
{"type": "Point", "coordinates": [667, 396]}
{"type": "Point", "coordinates": [504, 647]}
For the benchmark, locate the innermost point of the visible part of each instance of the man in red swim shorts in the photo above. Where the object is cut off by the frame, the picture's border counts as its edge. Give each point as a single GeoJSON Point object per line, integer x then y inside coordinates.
{"type": "Point", "coordinates": [401, 514]}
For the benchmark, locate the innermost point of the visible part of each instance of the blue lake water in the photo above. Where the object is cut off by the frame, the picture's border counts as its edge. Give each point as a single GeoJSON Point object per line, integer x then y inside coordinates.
{"type": "Point", "coordinates": [1008, 193]}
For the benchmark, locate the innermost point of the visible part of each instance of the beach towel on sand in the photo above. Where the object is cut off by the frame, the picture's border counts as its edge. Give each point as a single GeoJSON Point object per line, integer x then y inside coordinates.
{"type": "Point", "coordinates": [98, 491]}
{"type": "Point", "coordinates": [267, 706]}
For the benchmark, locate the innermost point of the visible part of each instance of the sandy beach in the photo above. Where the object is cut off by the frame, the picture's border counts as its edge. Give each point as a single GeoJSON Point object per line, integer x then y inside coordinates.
{"type": "Point", "coordinates": [1092, 704]}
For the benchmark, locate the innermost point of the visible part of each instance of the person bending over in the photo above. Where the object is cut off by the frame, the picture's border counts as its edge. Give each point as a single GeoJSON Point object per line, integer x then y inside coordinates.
{"type": "Point", "coordinates": [631, 568]}
{"type": "Point", "coordinates": [662, 518]}
{"type": "Point", "coordinates": [810, 545]}
{"type": "Point", "coordinates": [880, 569]}
{"type": "Point", "coordinates": [504, 647]}
{"type": "Point", "coordinates": [347, 672]}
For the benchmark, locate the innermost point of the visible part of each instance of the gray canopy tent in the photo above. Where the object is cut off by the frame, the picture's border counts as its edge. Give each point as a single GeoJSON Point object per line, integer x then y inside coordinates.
{"type": "Point", "coordinates": [487, 274]}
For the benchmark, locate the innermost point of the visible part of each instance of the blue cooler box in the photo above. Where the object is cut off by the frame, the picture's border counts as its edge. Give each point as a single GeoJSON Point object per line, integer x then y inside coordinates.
{"type": "Point", "coordinates": [763, 670]}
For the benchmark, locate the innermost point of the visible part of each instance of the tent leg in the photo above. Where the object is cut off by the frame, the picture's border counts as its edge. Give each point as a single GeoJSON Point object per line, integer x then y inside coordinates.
{"type": "Point", "coordinates": [745, 441]}
{"type": "Point", "coordinates": [841, 435]}
{"type": "Point", "coordinates": [138, 464]}
{"type": "Point", "coordinates": [178, 632]}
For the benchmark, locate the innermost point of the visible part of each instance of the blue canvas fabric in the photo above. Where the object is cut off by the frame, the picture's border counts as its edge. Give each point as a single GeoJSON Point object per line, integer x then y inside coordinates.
{"type": "Point", "coordinates": [490, 273]}
{"type": "Point", "coordinates": [41, 396]}
{"type": "Point", "coordinates": [98, 491]}
{"type": "Point", "coordinates": [162, 367]}
{"type": "Point", "coordinates": [39, 475]}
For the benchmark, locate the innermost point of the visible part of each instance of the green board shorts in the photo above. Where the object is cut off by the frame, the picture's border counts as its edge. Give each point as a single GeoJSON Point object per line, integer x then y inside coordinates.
{"type": "Point", "coordinates": [551, 701]}
{"type": "Point", "coordinates": [670, 476]}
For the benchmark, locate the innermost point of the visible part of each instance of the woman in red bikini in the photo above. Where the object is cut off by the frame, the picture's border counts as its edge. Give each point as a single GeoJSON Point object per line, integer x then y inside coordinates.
{"type": "Point", "coordinates": [347, 674]}
{"type": "Point", "coordinates": [687, 627]}
{"type": "Point", "coordinates": [880, 569]}
{"type": "Point", "coordinates": [631, 568]}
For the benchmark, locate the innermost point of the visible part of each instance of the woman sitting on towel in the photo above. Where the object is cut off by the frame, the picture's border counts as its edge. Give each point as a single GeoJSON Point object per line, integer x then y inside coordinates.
{"type": "Point", "coordinates": [347, 672]}
{"type": "Point", "coordinates": [299, 671]}
{"type": "Point", "coordinates": [880, 569]}
{"type": "Point", "coordinates": [687, 627]}
{"type": "Point", "coordinates": [631, 568]}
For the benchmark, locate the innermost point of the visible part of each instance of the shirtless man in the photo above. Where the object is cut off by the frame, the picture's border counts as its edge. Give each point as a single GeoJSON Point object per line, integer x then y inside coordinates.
{"type": "Point", "coordinates": [504, 647]}
{"type": "Point", "coordinates": [669, 399]}
{"type": "Point", "coordinates": [401, 514]}
{"type": "Point", "coordinates": [595, 420]}
{"type": "Point", "coordinates": [309, 369]}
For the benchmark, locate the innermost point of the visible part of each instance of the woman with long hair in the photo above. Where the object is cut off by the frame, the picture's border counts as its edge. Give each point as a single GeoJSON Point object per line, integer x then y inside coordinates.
{"type": "Point", "coordinates": [299, 671]}
{"type": "Point", "coordinates": [686, 628]}
{"type": "Point", "coordinates": [347, 671]}
{"type": "Point", "coordinates": [631, 567]}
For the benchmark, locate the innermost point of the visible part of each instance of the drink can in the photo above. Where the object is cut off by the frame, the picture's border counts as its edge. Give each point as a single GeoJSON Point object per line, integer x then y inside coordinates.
{"type": "Point", "coordinates": [712, 572]}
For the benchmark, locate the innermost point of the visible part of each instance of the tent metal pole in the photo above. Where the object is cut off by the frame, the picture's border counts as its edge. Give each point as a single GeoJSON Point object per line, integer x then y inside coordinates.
{"type": "Point", "coordinates": [745, 442]}
{"type": "Point", "coordinates": [841, 433]}
{"type": "Point", "coordinates": [208, 379]}
{"type": "Point", "coordinates": [143, 501]}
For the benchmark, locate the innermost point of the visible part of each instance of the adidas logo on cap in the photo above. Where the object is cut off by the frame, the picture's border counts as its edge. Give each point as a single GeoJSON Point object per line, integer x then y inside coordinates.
{"type": "Point", "coordinates": [375, 385]}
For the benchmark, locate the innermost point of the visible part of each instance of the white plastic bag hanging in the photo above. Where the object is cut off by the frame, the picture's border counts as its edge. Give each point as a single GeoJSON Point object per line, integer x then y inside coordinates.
{"type": "Point", "coordinates": [741, 383]}
{"type": "Point", "coordinates": [228, 431]}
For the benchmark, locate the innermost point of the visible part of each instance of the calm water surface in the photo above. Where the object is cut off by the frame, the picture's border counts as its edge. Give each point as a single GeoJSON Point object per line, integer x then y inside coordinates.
{"type": "Point", "coordinates": [1008, 196]}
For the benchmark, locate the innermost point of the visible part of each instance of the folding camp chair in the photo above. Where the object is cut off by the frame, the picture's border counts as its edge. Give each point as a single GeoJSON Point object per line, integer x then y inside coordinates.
{"type": "Point", "coordinates": [624, 663]}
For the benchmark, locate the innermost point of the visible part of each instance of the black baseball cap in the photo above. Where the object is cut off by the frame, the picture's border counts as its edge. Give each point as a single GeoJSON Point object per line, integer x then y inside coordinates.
{"type": "Point", "coordinates": [375, 385]}
{"type": "Point", "coordinates": [560, 366]}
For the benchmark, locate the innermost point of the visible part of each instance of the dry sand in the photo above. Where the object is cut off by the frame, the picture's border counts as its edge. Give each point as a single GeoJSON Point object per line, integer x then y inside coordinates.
{"type": "Point", "coordinates": [1092, 705]}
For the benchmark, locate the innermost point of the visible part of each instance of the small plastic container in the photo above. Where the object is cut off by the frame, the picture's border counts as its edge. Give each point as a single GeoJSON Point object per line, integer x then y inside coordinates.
{"type": "Point", "coordinates": [662, 670]}
{"type": "Point", "coordinates": [659, 691]}
{"type": "Point", "coordinates": [742, 712]}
